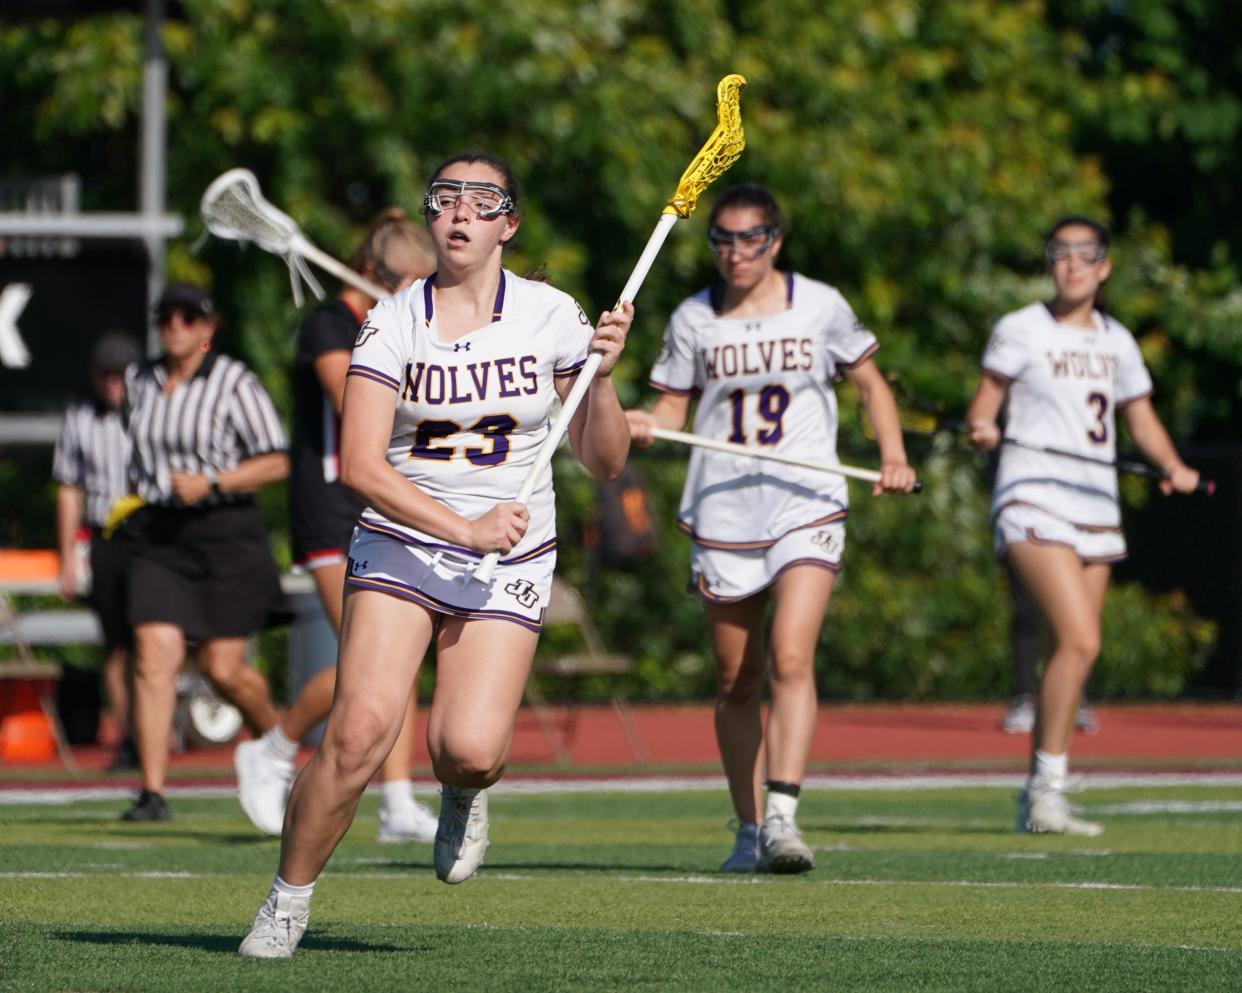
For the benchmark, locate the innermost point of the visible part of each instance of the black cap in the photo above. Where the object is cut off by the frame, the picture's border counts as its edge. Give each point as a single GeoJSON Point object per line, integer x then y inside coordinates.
{"type": "Point", "coordinates": [185, 297]}
{"type": "Point", "coordinates": [114, 352]}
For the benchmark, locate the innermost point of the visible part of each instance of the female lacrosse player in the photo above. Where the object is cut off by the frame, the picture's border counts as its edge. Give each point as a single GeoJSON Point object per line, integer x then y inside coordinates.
{"type": "Point", "coordinates": [761, 350]}
{"type": "Point", "coordinates": [1066, 367]}
{"type": "Point", "coordinates": [322, 514]}
{"type": "Point", "coordinates": [449, 391]}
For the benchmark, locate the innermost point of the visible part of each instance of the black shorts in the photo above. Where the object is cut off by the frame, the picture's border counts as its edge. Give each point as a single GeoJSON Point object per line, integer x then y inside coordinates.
{"type": "Point", "coordinates": [321, 523]}
{"type": "Point", "coordinates": [206, 570]}
{"type": "Point", "coordinates": [109, 565]}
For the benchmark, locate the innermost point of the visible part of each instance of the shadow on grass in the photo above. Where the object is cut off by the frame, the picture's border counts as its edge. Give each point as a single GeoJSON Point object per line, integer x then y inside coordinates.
{"type": "Point", "coordinates": [897, 828]}
{"type": "Point", "coordinates": [224, 944]}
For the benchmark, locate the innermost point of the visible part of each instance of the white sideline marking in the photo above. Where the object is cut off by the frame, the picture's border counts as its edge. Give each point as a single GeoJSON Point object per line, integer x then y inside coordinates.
{"type": "Point", "coordinates": [51, 795]}
{"type": "Point", "coordinates": [1169, 807]}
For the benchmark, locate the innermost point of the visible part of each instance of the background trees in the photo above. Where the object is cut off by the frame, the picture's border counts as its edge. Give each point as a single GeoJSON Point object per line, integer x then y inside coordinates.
{"type": "Point", "coordinates": [920, 150]}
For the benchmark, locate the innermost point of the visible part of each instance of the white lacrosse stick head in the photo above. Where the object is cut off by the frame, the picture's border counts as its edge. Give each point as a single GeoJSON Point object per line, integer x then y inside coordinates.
{"type": "Point", "coordinates": [234, 207]}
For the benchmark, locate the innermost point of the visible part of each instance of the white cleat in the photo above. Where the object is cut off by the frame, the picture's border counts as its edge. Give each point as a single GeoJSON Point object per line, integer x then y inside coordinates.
{"type": "Point", "coordinates": [1020, 718]}
{"type": "Point", "coordinates": [781, 848]}
{"type": "Point", "coordinates": [745, 854]}
{"type": "Point", "coordinates": [461, 835]}
{"type": "Point", "coordinates": [262, 785]}
{"type": "Point", "coordinates": [1043, 809]}
{"type": "Point", "coordinates": [407, 823]}
{"type": "Point", "coordinates": [278, 927]}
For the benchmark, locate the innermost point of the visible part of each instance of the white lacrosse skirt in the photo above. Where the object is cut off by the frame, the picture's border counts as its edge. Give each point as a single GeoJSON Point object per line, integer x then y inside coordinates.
{"type": "Point", "coordinates": [444, 582]}
{"type": "Point", "coordinates": [725, 575]}
{"type": "Point", "coordinates": [1018, 522]}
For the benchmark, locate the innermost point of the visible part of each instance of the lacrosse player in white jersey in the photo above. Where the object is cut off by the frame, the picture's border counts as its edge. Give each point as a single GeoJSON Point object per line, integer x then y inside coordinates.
{"type": "Point", "coordinates": [761, 352]}
{"type": "Point", "coordinates": [448, 398]}
{"type": "Point", "coordinates": [1066, 368]}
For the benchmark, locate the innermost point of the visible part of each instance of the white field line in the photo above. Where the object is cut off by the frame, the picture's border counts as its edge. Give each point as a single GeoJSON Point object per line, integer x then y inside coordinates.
{"type": "Point", "coordinates": [688, 880]}
{"type": "Point", "coordinates": [51, 795]}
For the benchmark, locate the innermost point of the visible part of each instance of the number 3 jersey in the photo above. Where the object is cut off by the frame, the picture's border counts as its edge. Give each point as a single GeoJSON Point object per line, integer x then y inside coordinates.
{"type": "Point", "coordinates": [472, 413]}
{"type": "Point", "coordinates": [1064, 384]}
{"type": "Point", "coordinates": [764, 382]}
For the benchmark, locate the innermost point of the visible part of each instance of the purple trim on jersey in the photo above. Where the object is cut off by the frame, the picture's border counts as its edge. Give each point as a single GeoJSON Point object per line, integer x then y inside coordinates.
{"type": "Point", "coordinates": [405, 539]}
{"type": "Point", "coordinates": [702, 590]}
{"type": "Point", "coordinates": [789, 283]}
{"type": "Point", "coordinates": [415, 595]}
{"type": "Point", "coordinates": [498, 308]}
{"type": "Point", "coordinates": [869, 351]}
{"type": "Point", "coordinates": [660, 387]}
{"type": "Point", "coordinates": [569, 370]}
{"type": "Point", "coordinates": [366, 372]}
{"type": "Point", "coordinates": [1119, 404]}
{"type": "Point", "coordinates": [1089, 528]}
{"type": "Point", "coordinates": [998, 374]}
{"type": "Point", "coordinates": [753, 546]}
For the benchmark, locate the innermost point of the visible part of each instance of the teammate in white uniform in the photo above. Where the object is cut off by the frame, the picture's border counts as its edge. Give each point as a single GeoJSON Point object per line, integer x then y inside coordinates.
{"type": "Point", "coordinates": [1066, 367]}
{"type": "Point", "coordinates": [761, 352]}
{"type": "Point", "coordinates": [449, 393]}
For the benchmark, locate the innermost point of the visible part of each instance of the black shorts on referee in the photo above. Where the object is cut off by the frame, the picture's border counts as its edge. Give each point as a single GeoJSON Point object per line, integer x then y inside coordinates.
{"type": "Point", "coordinates": [321, 523]}
{"type": "Point", "coordinates": [208, 570]}
{"type": "Point", "coordinates": [109, 569]}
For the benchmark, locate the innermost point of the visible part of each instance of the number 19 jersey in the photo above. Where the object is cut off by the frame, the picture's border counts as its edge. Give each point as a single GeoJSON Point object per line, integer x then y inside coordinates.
{"type": "Point", "coordinates": [472, 413]}
{"type": "Point", "coordinates": [1064, 384]}
{"type": "Point", "coordinates": [765, 382]}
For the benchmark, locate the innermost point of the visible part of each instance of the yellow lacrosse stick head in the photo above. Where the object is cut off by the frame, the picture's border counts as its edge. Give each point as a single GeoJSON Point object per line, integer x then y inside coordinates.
{"type": "Point", "coordinates": [719, 152]}
{"type": "Point", "coordinates": [121, 508]}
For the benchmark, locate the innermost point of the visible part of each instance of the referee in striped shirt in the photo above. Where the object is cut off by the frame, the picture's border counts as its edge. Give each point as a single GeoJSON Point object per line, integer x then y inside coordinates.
{"type": "Point", "coordinates": [205, 436]}
{"type": "Point", "coordinates": [90, 464]}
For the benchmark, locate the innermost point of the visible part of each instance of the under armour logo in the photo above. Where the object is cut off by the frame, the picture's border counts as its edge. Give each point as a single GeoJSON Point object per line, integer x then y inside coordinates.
{"type": "Point", "coordinates": [754, 325]}
{"type": "Point", "coordinates": [461, 346]}
{"type": "Point", "coordinates": [356, 567]}
{"type": "Point", "coordinates": [523, 591]}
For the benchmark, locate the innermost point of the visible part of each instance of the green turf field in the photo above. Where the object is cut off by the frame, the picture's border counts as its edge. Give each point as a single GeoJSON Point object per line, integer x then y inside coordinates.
{"type": "Point", "coordinates": [921, 890]}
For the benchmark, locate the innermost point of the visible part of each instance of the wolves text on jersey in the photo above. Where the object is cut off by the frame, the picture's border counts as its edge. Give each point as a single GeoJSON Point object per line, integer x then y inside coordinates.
{"type": "Point", "coordinates": [1083, 365]}
{"type": "Point", "coordinates": [427, 382]}
{"type": "Point", "coordinates": [751, 358]}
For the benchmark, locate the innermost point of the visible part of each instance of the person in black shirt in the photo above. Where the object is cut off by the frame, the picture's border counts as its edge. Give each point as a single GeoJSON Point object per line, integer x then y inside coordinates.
{"type": "Point", "coordinates": [322, 514]}
{"type": "Point", "coordinates": [205, 436]}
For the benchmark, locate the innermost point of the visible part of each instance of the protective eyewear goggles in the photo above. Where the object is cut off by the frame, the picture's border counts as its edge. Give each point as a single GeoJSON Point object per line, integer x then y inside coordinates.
{"type": "Point", "coordinates": [745, 245]}
{"type": "Point", "coordinates": [1089, 252]}
{"type": "Point", "coordinates": [487, 200]}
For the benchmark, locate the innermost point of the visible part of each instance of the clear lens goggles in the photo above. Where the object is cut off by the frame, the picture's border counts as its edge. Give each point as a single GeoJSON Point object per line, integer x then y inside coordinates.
{"type": "Point", "coordinates": [1084, 251]}
{"type": "Point", "coordinates": [745, 245]}
{"type": "Point", "coordinates": [487, 200]}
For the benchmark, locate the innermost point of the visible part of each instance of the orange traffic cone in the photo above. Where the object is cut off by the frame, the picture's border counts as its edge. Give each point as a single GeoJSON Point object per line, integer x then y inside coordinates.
{"type": "Point", "coordinates": [25, 734]}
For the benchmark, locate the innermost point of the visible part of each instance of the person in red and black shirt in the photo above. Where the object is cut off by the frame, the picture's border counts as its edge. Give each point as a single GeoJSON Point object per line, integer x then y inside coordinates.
{"type": "Point", "coordinates": [322, 515]}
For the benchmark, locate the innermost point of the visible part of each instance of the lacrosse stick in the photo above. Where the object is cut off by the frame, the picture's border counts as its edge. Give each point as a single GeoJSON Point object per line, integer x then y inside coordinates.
{"type": "Point", "coordinates": [1130, 466]}
{"type": "Point", "coordinates": [233, 207]}
{"type": "Point", "coordinates": [698, 441]}
{"type": "Point", "coordinates": [719, 152]}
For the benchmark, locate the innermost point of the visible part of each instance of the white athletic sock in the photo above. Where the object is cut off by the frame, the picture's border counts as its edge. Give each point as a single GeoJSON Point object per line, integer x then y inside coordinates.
{"type": "Point", "coordinates": [279, 746]}
{"type": "Point", "coordinates": [781, 805]}
{"type": "Point", "coordinates": [1053, 768]}
{"type": "Point", "coordinates": [280, 886]}
{"type": "Point", "coordinates": [397, 793]}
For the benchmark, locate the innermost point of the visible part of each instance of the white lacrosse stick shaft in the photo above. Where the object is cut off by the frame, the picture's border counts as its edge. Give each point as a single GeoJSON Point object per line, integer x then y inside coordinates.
{"type": "Point", "coordinates": [558, 427]}
{"type": "Point", "coordinates": [338, 269]}
{"type": "Point", "coordinates": [698, 441]}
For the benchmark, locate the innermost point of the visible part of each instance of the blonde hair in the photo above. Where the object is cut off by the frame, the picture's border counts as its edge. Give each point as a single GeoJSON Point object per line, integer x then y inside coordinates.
{"type": "Point", "coordinates": [391, 225]}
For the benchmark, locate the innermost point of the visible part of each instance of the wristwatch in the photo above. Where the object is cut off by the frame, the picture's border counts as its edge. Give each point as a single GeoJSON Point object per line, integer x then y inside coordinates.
{"type": "Point", "coordinates": [213, 483]}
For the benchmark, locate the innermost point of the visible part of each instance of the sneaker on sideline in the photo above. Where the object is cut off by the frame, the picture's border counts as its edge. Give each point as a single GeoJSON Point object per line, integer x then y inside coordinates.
{"type": "Point", "coordinates": [745, 854]}
{"type": "Point", "coordinates": [1020, 717]}
{"type": "Point", "coordinates": [461, 835]}
{"type": "Point", "coordinates": [412, 822]}
{"type": "Point", "coordinates": [278, 927]}
{"type": "Point", "coordinates": [263, 781]}
{"type": "Point", "coordinates": [1085, 720]}
{"type": "Point", "coordinates": [148, 807]}
{"type": "Point", "coordinates": [1043, 809]}
{"type": "Point", "coordinates": [781, 848]}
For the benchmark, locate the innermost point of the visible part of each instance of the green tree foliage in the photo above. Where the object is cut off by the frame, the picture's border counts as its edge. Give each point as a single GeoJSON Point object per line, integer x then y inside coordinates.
{"type": "Point", "coordinates": [920, 150]}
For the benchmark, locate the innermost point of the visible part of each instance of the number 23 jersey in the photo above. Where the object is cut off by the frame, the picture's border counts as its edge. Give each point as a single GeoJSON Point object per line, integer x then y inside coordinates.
{"type": "Point", "coordinates": [471, 413]}
{"type": "Point", "coordinates": [764, 382]}
{"type": "Point", "coordinates": [1065, 382]}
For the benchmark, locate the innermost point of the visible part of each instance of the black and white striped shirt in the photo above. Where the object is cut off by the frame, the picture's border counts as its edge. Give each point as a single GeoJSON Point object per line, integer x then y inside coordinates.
{"type": "Point", "coordinates": [92, 453]}
{"type": "Point", "coordinates": [219, 417]}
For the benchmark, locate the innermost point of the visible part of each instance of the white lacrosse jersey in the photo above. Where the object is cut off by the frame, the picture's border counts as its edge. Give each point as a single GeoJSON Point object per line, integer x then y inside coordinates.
{"type": "Point", "coordinates": [765, 382]}
{"type": "Point", "coordinates": [1065, 383]}
{"type": "Point", "coordinates": [472, 413]}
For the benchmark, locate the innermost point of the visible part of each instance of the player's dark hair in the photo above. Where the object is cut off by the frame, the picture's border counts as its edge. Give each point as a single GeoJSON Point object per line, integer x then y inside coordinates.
{"type": "Point", "coordinates": [389, 226]}
{"type": "Point", "coordinates": [509, 181]}
{"type": "Point", "coordinates": [1072, 220]}
{"type": "Point", "coordinates": [750, 195]}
